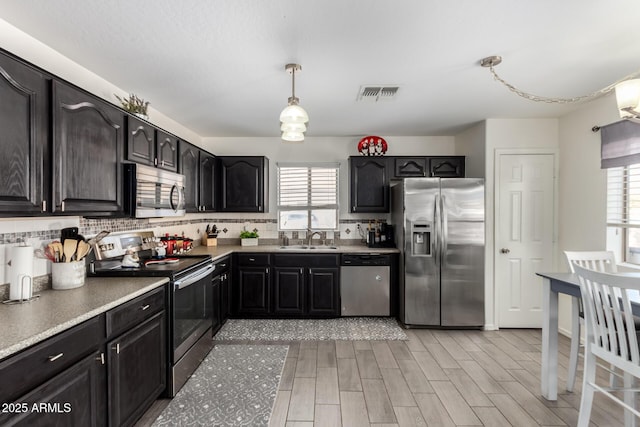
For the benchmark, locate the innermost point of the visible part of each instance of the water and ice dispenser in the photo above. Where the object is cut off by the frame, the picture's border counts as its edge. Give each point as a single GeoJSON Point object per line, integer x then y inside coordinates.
{"type": "Point", "coordinates": [421, 238]}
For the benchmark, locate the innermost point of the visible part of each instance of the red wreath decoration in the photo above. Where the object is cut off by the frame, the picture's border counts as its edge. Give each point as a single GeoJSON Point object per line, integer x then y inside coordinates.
{"type": "Point", "coordinates": [372, 146]}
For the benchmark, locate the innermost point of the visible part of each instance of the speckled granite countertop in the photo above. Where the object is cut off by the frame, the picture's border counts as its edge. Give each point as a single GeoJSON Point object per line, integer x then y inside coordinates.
{"type": "Point", "coordinates": [220, 251]}
{"type": "Point", "coordinates": [55, 311]}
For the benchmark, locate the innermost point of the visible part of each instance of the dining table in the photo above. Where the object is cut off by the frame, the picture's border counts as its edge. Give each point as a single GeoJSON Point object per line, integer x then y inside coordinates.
{"type": "Point", "coordinates": [554, 284]}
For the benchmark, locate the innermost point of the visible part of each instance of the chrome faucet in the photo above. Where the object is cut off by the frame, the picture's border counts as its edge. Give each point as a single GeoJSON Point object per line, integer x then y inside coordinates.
{"type": "Point", "coordinates": [312, 233]}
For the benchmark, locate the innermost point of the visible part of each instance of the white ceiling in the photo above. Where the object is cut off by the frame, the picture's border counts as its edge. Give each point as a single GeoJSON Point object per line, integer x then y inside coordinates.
{"type": "Point", "coordinates": [217, 66]}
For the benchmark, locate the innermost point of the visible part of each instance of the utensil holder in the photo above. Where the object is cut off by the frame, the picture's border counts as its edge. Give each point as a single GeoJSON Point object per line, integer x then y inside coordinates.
{"type": "Point", "coordinates": [67, 275]}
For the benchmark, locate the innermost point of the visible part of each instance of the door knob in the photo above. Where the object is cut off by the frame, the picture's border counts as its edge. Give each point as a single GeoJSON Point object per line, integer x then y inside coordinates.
{"type": "Point", "coordinates": [504, 251]}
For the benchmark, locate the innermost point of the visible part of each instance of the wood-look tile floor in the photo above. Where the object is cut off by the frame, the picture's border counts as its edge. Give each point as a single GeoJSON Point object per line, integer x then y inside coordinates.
{"type": "Point", "coordinates": [436, 378]}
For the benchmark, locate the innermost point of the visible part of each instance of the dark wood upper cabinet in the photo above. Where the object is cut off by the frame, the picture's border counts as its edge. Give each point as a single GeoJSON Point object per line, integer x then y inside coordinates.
{"type": "Point", "coordinates": [166, 151]}
{"type": "Point", "coordinates": [409, 167]}
{"type": "Point", "coordinates": [207, 171]}
{"type": "Point", "coordinates": [150, 146]}
{"type": "Point", "coordinates": [24, 164]}
{"type": "Point", "coordinates": [189, 162]}
{"type": "Point", "coordinates": [88, 142]}
{"type": "Point", "coordinates": [369, 184]}
{"type": "Point", "coordinates": [199, 168]}
{"type": "Point", "coordinates": [446, 166]}
{"type": "Point", "coordinates": [244, 183]}
{"type": "Point", "coordinates": [141, 142]}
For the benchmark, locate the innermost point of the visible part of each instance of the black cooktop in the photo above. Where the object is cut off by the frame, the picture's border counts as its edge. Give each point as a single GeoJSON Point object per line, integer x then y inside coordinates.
{"type": "Point", "coordinates": [113, 267]}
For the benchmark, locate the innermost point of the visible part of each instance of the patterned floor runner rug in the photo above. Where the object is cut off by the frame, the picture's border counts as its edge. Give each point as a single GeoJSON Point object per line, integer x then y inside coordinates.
{"type": "Point", "coordinates": [234, 386]}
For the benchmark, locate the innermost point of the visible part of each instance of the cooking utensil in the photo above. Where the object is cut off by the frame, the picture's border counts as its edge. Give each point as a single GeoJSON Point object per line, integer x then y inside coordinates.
{"type": "Point", "coordinates": [69, 233]}
{"type": "Point", "coordinates": [70, 246]}
{"type": "Point", "coordinates": [83, 250]}
{"type": "Point", "coordinates": [57, 250]}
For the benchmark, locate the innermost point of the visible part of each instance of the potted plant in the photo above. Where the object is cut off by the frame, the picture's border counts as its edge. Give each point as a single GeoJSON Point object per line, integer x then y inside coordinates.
{"type": "Point", "coordinates": [248, 238]}
{"type": "Point", "coordinates": [135, 105]}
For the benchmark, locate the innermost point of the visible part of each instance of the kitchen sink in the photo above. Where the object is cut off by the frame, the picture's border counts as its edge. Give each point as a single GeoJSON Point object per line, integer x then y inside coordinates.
{"type": "Point", "coordinates": [306, 248]}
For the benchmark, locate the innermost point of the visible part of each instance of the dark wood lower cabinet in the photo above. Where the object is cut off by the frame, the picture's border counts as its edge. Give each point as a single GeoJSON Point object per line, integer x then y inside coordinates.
{"type": "Point", "coordinates": [75, 397]}
{"type": "Point", "coordinates": [288, 291]}
{"type": "Point", "coordinates": [299, 285]}
{"type": "Point", "coordinates": [253, 291]}
{"type": "Point", "coordinates": [136, 366]}
{"type": "Point", "coordinates": [323, 292]}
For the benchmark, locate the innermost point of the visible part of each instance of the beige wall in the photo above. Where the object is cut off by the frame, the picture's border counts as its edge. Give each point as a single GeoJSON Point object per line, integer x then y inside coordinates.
{"type": "Point", "coordinates": [582, 184]}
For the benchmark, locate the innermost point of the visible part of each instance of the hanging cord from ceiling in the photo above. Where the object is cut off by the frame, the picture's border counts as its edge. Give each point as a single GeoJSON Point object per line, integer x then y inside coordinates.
{"type": "Point", "coordinates": [491, 61]}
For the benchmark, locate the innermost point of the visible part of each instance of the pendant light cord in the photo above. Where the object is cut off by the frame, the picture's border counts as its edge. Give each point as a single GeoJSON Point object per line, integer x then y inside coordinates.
{"type": "Point", "coordinates": [549, 100]}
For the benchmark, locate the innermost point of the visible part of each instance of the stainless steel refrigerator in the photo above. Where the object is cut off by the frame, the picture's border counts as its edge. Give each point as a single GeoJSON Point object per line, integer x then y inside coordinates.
{"type": "Point", "coordinates": [440, 232]}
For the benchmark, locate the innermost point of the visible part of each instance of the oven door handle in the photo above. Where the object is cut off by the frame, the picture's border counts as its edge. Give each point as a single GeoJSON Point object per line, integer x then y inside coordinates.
{"type": "Point", "coordinates": [194, 277]}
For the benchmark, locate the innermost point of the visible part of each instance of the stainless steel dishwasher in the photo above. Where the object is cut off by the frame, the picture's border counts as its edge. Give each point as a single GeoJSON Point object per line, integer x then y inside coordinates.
{"type": "Point", "coordinates": [365, 285]}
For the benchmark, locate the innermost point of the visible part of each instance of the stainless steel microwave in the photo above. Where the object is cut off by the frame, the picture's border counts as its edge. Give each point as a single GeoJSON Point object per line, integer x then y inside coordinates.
{"type": "Point", "coordinates": [152, 192]}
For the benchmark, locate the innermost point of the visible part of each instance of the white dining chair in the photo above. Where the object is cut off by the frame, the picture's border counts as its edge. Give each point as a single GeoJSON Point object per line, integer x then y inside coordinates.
{"type": "Point", "coordinates": [611, 337]}
{"type": "Point", "coordinates": [603, 261]}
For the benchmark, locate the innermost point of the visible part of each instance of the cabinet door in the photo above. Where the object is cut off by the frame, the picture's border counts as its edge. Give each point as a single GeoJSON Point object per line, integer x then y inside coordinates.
{"type": "Point", "coordinates": [288, 291]}
{"type": "Point", "coordinates": [207, 194]}
{"type": "Point", "coordinates": [446, 167]}
{"type": "Point", "coordinates": [188, 166]}
{"type": "Point", "coordinates": [141, 142]}
{"type": "Point", "coordinates": [323, 292]}
{"type": "Point", "coordinates": [409, 167]}
{"type": "Point", "coordinates": [167, 151]}
{"type": "Point", "coordinates": [24, 164]}
{"type": "Point", "coordinates": [87, 153]}
{"type": "Point", "coordinates": [369, 184]}
{"type": "Point", "coordinates": [137, 370]}
{"type": "Point", "coordinates": [225, 297]}
{"type": "Point", "coordinates": [75, 397]}
{"type": "Point", "coordinates": [217, 306]}
{"type": "Point", "coordinates": [253, 291]}
{"type": "Point", "coordinates": [243, 181]}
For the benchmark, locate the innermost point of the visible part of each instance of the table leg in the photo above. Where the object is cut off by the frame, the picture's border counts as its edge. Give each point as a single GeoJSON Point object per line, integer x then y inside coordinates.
{"type": "Point", "coordinates": [549, 374]}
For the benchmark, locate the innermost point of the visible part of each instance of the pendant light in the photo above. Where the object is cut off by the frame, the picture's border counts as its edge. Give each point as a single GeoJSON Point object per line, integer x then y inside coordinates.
{"type": "Point", "coordinates": [293, 118]}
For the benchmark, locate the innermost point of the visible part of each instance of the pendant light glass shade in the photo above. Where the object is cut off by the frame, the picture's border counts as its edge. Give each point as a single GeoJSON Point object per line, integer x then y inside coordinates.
{"type": "Point", "coordinates": [294, 114]}
{"type": "Point", "coordinates": [628, 99]}
{"type": "Point", "coordinates": [293, 118]}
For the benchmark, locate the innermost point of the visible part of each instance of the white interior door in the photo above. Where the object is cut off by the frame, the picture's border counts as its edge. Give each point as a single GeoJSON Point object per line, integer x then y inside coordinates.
{"type": "Point", "coordinates": [524, 236]}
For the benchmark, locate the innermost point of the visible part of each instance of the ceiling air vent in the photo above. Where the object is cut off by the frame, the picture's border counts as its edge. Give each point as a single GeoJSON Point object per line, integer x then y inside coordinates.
{"type": "Point", "coordinates": [372, 93]}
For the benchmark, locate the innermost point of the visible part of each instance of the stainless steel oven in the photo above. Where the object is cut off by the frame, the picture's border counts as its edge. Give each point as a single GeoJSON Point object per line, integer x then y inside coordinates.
{"type": "Point", "coordinates": [192, 318]}
{"type": "Point", "coordinates": [190, 304]}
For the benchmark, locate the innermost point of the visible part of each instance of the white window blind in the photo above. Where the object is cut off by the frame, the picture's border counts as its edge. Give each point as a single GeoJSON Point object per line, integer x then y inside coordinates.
{"type": "Point", "coordinates": [308, 196]}
{"type": "Point", "coordinates": [623, 196]}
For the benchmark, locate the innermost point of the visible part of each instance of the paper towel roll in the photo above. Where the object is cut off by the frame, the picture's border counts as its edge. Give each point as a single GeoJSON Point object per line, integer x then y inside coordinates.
{"type": "Point", "coordinates": [20, 286]}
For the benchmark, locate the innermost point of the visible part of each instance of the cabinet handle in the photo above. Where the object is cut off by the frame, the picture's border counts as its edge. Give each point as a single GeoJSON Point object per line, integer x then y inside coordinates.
{"type": "Point", "coordinates": [144, 307]}
{"type": "Point", "coordinates": [155, 162]}
{"type": "Point", "coordinates": [62, 206]}
{"type": "Point", "coordinates": [116, 348]}
{"type": "Point", "coordinates": [301, 270]}
{"type": "Point", "coordinates": [354, 208]}
{"type": "Point", "coordinates": [223, 265]}
{"type": "Point", "coordinates": [44, 206]}
{"type": "Point", "coordinates": [267, 270]}
{"type": "Point", "coordinates": [259, 207]}
{"type": "Point", "coordinates": [100, 358]}
{"type": "Point", "coordinates": [252, 259]}
{"type": "Point", "coordinates": [162, 163]}
{"type": "Point", "coordinates": [56, 357]}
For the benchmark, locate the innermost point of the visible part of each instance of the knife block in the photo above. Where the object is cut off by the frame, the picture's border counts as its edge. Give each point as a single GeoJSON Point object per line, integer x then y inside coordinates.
{"type": "Point", "coordinates": [209, 241]}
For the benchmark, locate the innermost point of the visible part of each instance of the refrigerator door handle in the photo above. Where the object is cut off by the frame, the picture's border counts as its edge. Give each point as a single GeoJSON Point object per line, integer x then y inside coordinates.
{"type": "Point", "coordinates": [443, 230]}
{"type": "Point", "coordinates": [436, 229]}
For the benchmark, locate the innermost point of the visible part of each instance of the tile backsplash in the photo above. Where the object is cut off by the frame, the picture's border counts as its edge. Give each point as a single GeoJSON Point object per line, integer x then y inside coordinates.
{"type": "Point", "coordinates": [37, 232]}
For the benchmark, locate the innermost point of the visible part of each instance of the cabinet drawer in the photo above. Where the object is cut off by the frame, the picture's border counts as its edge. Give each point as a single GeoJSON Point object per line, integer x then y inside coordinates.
{"type": "Point", "coordinates": [253, 259]}
{"type": "Point", "coordinates": [37, 364]}
{"type": "Point", "coordinates": [222, 265]}
{"type": "Point", "coordinates": [306, 260]}
{"type": "Point", "coordinates": [134, 312]}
